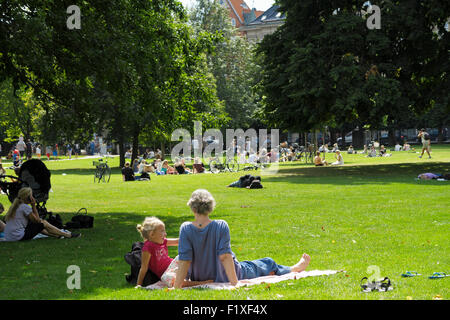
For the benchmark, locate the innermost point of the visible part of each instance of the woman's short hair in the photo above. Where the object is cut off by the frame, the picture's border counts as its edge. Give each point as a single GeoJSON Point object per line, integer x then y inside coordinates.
{"type": "Point", "coordinates": [201, 202]}
{"type": "Point", "coordinates": [149, 225]}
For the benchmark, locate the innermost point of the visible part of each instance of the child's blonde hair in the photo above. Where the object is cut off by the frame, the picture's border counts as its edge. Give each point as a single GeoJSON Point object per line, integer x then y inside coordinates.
{"type": "Point", "coordinates": [23, 195]}
{"type": "Point", "coordinates": [149, 225]}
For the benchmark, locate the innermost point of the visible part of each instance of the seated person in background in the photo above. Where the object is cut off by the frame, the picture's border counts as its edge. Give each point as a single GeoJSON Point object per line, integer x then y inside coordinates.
{"type": "Point", "coordinates": [128, 154]}
{"type": "Point", "coordinates": [406, 147]}
{"type": "Point", "coordinates": [318, 161]}
{"type": "Point", "coordinates": [350, 150]}
{"type": "Point", "coordinates": [127, 173]}
{"type": "Point", "coordinates": [253, 158]}
{"type": "Point", "coordinates": [166, 168]}
{"type": "Point", "coordinates": [339, 158]}
{"type": "Point", "coordinates": [335, 148]}
{"type": "Point", "coordinates": [372, 152]}
{"type": "Point", "coordinates": [181, 168]}
{"type": "Point", "coordinates": [157, 167]}
{"type": "Point", "coordinates": [198, 166]}
{"type": "Point", "coordinates": [23, 221]}
{"type": "Point", "coordinates": [383, 152]}
{"type": "Point", "coordinates": [136, 166]}
{"type": "Point", "coordinates": [324, 148]}
{"type": "Point", "coordinates": [398, 147]}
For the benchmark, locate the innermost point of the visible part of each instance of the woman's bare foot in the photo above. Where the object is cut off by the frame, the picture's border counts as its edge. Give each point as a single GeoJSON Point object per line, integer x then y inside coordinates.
{"type": "Point", "coordinates": [302, 264]}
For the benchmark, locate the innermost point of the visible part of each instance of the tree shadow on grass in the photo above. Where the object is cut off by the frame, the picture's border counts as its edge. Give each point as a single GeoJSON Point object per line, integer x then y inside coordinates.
{"type": "Point", "coordinates": [359, 175]}
{"type": "Point", "coordinates": [37, 269]}
{"type": "Point", "coordinates": [81, 171]}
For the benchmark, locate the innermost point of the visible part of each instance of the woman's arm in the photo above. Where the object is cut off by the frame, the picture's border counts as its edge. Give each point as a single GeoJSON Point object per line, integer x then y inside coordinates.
{"type": "Point", "coordinates": [228, 264]}
{"type": "Point", "coordinates": [172, 241]}
{"type": "Point", "coordinates": [183, 268]}
{"type": "Point", "coordinates": [145, 259]}
{"type": "Point", "coordinates": [34, 215]}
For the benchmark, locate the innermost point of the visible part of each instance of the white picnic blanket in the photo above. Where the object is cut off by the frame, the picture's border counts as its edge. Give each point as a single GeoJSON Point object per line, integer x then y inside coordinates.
{"type": "Point", "coordinates": [251, 282]}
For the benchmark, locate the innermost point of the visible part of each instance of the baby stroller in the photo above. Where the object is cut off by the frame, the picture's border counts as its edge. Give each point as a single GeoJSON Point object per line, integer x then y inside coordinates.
{"type": "Point", "coordinates": [34, 174]}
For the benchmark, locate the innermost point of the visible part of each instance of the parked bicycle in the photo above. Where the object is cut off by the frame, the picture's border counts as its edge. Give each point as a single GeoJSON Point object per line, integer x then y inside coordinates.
{"type": "Point", "coordinates": [227, 164]}
{"type": "Point", "coordinates": [307, 154]}
{"type": "Point", "coordinates": [102, 171]}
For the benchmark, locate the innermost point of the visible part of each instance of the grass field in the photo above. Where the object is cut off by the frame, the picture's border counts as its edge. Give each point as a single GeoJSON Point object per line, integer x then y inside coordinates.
{"type": "Point", "coordinates": [371, 211]}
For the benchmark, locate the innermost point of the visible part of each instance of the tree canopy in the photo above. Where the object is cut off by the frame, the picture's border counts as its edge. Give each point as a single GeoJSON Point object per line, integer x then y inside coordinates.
{"type": "Point", "coordinates": [324, 66]}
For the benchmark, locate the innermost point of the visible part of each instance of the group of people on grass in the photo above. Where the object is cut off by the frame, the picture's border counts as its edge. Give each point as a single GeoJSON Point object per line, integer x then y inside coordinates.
{"type": "Point", "coordinates": [204, 251]}
{"type": "Point", "coordinates": [141, 169]}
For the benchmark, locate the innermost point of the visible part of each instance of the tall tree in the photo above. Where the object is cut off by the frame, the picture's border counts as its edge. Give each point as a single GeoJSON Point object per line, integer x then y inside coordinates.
{"type": "Point", "coordinates": [130, 66]}
{"type": "Point", "coordinates": [325, 67]}
{"type": "Point", "coordinates": [232, 63]}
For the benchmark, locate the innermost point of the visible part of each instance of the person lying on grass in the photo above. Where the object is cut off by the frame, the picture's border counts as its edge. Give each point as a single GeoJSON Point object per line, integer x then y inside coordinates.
{"type": "Point", "coordinates": [204, 249]}
{"type": "Point", "coordinates": [155, 254]}
{"type": "Point", "coordinates": [23, 221]}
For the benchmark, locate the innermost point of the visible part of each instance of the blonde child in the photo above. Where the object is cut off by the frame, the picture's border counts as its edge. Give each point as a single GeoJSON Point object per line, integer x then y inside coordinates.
{"type": "Point", "coordinates": [155, 254]}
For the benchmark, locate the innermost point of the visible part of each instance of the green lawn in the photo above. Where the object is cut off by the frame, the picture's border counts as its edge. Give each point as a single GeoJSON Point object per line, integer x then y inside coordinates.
{"type": "Point", "coordinates": [371, 211]}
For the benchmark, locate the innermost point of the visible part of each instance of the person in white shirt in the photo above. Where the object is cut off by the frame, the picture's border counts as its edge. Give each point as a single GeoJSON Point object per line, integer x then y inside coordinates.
{"type": "Point", "coordinates": [38, 152]}
{"type": "Point", "coordinates": [339, 158]}
{"type": "Point", "coordinates": [398, 147]}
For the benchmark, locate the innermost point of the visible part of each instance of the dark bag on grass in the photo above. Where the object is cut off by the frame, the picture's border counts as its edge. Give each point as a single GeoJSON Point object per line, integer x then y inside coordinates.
{"type": "Point", "coordinates": [83, 219]}
{"type": "Point", "coordinates": [55, 220]}
{"type": "Point", "coordinates": [133, 258]}
{"type": "Point", "coordinates": [256, 184]}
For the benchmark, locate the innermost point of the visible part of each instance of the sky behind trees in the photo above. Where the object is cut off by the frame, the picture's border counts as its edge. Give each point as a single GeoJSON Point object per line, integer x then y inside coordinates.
{"type": "Point", "coordinates": [258, 4]}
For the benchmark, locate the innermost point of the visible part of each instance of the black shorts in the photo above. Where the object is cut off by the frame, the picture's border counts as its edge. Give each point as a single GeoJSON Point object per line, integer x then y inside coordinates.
{"type": "Point", "coordinates": [32, 230]}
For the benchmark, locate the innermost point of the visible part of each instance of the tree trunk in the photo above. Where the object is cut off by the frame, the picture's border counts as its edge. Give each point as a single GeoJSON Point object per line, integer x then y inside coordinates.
{"type": "Point", "coordinates": [332, 137]}
{"type": "Point", "coordinates": [121, 151]}
{"type": "Point", "coordinates": [391, 137]}
{"type": "Point", "coordinates": [440, 137]}
{"type": "Point", "coordinates": [135, 144]}
{"type": "Point", "coordinates": [163, 149]}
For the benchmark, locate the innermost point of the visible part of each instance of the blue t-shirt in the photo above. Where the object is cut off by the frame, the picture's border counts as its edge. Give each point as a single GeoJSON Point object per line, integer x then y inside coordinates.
{"type": "Point", "coordinates": [203, 247]}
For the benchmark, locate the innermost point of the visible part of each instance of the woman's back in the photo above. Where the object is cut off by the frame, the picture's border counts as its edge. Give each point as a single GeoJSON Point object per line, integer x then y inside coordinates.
{"type": "Point", "coordinates": [15, 227]}
{"type": "Point", "coordinates": [203, 246]}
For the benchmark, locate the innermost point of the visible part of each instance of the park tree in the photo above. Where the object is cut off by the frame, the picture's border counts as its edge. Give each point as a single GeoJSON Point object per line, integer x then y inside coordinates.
{"type": "Point", "coordinates": [232, 63]}
{"type": "Point", "coordinates": [130, 66]}
{"type": "Point", "coordinates": [19, 112]}
{"type": "Point", "coordinates": [325, 67]}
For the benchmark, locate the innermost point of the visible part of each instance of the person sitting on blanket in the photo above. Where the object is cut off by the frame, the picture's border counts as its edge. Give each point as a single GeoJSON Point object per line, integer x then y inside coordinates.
{"type": "Point", "coordinates": [155, 254]}
{"type": "Point", "coordinates": [204, 249]}
{"type": "Point", "coordinates": [23, 222]}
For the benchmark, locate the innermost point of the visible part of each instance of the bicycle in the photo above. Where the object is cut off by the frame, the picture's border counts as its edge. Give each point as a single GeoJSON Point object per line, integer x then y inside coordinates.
{"type": "Point", "coordinates": [307, 155]}
{"type": "Point", "coordinates": [102, 171]}
{"type": "Point", "coordinates": [226, 165]}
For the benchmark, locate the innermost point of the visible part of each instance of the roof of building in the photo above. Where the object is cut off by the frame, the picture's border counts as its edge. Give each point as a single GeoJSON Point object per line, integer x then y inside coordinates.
{"type": "Point", "coordinates": [271, 15]}
{"type": "Point", "coordinates": [243, 11]}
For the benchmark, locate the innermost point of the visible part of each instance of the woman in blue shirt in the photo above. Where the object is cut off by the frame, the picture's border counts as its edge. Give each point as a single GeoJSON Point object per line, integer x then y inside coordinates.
{"type": "Point", "coordinates": [204, 250]}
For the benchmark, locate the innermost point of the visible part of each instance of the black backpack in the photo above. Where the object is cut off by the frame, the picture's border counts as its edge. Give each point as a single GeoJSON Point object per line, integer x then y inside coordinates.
{"type": "Point", "coordinates": [133, 258]}
{"type": "Point", "coordinates": [426, 136]}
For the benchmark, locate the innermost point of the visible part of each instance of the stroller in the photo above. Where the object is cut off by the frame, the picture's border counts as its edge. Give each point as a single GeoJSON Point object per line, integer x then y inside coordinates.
{"type": "Point", "coordinates": [34, 174]}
